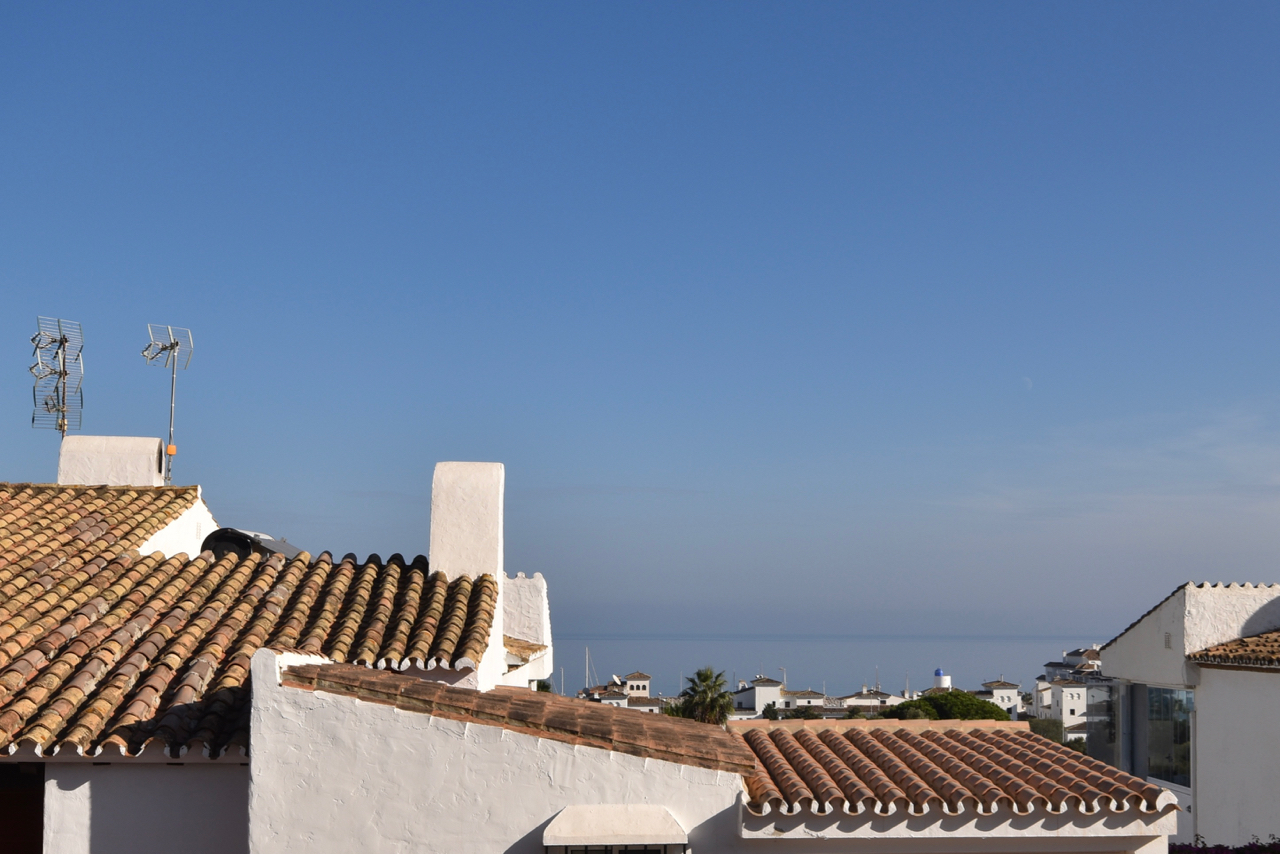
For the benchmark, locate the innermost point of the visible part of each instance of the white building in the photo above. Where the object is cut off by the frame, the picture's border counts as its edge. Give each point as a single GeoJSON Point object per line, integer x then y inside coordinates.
{"type": "Point", "coordinates": [871, 701]}
{"type": "Point", "coordinates": [1006, 695]}
{"type": "Point", "coordinates": [751, 698]}
{"type": "Point", "coordinates": [1195, 685]}
{"type": "Point", "coordinates": [1062, 693]}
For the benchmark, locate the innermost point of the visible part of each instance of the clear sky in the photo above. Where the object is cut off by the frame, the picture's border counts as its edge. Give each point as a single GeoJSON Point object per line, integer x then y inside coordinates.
{"type": "Point", "coordinates": [798, 320]}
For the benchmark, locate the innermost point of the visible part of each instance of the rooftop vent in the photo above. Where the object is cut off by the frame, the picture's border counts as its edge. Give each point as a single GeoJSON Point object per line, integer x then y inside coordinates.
{"type": "Point", "coordinates": [111, 461]}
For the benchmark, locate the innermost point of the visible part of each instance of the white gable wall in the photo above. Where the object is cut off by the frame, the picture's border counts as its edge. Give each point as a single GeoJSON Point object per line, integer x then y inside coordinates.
{"type": "Point", "coordinates": [1194, 617]}
{"type": "Point", "coordinates": [1139, 655]}
{"type": "Point", "coordinates": [185, 534]}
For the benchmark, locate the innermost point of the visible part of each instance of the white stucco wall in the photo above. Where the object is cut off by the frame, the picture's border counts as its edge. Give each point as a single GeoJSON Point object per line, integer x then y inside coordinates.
{"type": "Point", "coordinates": [184, 534]}
{"type": "Point", "coordinates": [1139, 655]}
{"type": "Point", "coordinates": [146, 808]}
{"type": "Point", "coordinates": [111, 460]}
{"type": "Point", "coordinates": [1195, 617]}
{"type": "Point", "coordinates": [1237, 755]}
{"type": "Point", "coordinates": [330, 772]}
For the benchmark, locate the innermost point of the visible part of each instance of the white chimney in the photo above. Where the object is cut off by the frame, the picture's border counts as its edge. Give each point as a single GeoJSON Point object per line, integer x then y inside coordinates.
{"type": "Point", "coordinates": [466, 539]}
{"type": "Point", "coordinates": [111, 461]}
{"type": "Point", "coordinates": [466, 519]}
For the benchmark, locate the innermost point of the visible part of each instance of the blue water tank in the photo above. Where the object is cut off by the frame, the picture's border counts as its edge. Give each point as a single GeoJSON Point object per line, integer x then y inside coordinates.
{"type": "Point", "coordinates": [938, 672]}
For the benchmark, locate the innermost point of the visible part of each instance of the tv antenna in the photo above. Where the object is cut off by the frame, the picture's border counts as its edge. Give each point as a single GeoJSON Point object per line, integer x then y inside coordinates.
{"type": "Point", "coordinates": [171, 348]}
{"type": "Point", "coordinates": [59, 371]}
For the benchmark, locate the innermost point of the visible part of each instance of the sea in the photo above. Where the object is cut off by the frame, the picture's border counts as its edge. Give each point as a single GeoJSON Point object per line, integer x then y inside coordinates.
{"type": "Point", "coordinates": [835, 664]}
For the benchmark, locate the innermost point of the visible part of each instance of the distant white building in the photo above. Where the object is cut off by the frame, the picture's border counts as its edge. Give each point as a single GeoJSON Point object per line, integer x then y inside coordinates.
{"type": "Point", "coordinates": [871, 701]}
{"type": "Point", "coordinates": [624, 692]}
{"type": "Point", "coordinates": [751, 698]}
{"type": "Point", "coordinates": [1061, 694]}
{"type": "Point", "coordinates": [1006, 695]}
{"type": "Point", "coordinates": [801, 699]}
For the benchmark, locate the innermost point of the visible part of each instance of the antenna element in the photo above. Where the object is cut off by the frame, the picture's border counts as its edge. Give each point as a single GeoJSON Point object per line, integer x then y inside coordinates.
{"type": "Point", "coordinates": [59, 371]}
{"type": "Point", "coordinates": [170, 347]}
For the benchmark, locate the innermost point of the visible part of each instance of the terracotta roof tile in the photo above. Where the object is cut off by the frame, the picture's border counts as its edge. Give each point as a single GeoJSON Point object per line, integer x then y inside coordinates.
{"type": "Point", "coordinates": [48, 533]}
{"type": "Point", "coordinates": [102, 647]}
{"type": "Point", "coordinates": [1261, 651]}
{"type": "Point", "coordinates": [537, 713]}
{"type": "Point", "coordinates": [978, 769]}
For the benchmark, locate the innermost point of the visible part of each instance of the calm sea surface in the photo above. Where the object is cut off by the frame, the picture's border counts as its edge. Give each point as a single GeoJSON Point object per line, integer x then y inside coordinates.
{"type": "Point", "coordinates": [841, 663]}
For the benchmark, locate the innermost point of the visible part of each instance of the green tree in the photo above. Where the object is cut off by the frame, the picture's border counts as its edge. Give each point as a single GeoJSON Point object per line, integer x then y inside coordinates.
{"type": "Point", "coordinates": [854, 712]}
{"type": "Point", "coordinates": [770, 712]}
{"type": "Point", "coordinates": [1047, 727]}
{"type": "Point", "coordinates": [545, 687]}
{"type": "Point", "coordinates": [706, 697]}
{"type": "Point", "coordinates": [953, 705]}
{"type": "Point", "coordinates": [804, 713]}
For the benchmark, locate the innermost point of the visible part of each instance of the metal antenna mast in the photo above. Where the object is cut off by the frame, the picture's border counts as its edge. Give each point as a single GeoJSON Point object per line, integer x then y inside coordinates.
{"type": "Point", "coordinates": [59, 371]}
{"type": "Point", "coordinates": [170, 347]}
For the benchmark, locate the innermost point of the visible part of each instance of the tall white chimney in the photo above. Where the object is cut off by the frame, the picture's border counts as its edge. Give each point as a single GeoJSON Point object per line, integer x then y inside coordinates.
{"type": "Point", "coordinates": [466, 539]}
{"type": "Point", "coordinates": [466, 519]}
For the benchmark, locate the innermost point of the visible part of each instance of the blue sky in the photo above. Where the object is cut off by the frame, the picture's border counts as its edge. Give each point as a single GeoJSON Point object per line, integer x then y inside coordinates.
{"type": "Point", "coordinates": [857, 320]}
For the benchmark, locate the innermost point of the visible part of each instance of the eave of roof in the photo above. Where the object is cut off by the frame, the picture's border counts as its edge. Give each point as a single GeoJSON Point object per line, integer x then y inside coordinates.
{"type": "Point", "coordinates": [1256, 652]}
{"type": "Point", "coordinates": [976, 769]}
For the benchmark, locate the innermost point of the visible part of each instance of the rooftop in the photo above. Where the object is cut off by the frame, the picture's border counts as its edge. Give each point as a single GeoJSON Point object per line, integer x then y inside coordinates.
{"type": "Point", "coordinates": [46, 528]}
{"type": "Point", "coordinates": [1261, 651]}
{"type": "Point", "coordinates": [919, 769]}
{"type": "Point", "coordinates": [125, 650]}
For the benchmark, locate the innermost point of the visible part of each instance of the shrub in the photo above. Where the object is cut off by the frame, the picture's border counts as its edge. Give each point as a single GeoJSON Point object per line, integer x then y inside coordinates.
{"type": "Point", "coordinates": [953, 705]}
{"type": "Point", "coordinates": [1047, 727]}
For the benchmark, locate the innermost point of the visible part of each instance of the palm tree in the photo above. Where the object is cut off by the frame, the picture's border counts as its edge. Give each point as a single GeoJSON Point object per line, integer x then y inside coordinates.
{"type": "Point", "coordinates": [705, 698]}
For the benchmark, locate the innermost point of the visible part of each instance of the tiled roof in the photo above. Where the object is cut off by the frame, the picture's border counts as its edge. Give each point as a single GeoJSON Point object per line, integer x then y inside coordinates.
{"type": "Point", "coordinates": [645, 702]}
{"type": "Point", "coordinates": [1260, 651]}
{"type": "Point", "coordinates": [539, 714]}
{"type": "Point", "coordinates": [637, 675]}
{"type": "Point", "coordinates": [125, 652]}
{"type": "Point", "coordinates": [920, 771]}
{"type": "Point", "coordinates": [999, 683]}
{"type": "Point", "coordinates": [764, 680]}
{"type": "Point", "coordinates": [806, 693]}
{"type": "Point", "coordinates": [49, 531]}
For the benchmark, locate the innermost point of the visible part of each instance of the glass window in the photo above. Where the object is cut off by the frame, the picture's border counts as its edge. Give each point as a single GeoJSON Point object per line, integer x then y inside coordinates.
{"type": "Point", "coordinates": [1102, 711]}
{"type": "Point", "coordinates": [1169, 735]}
